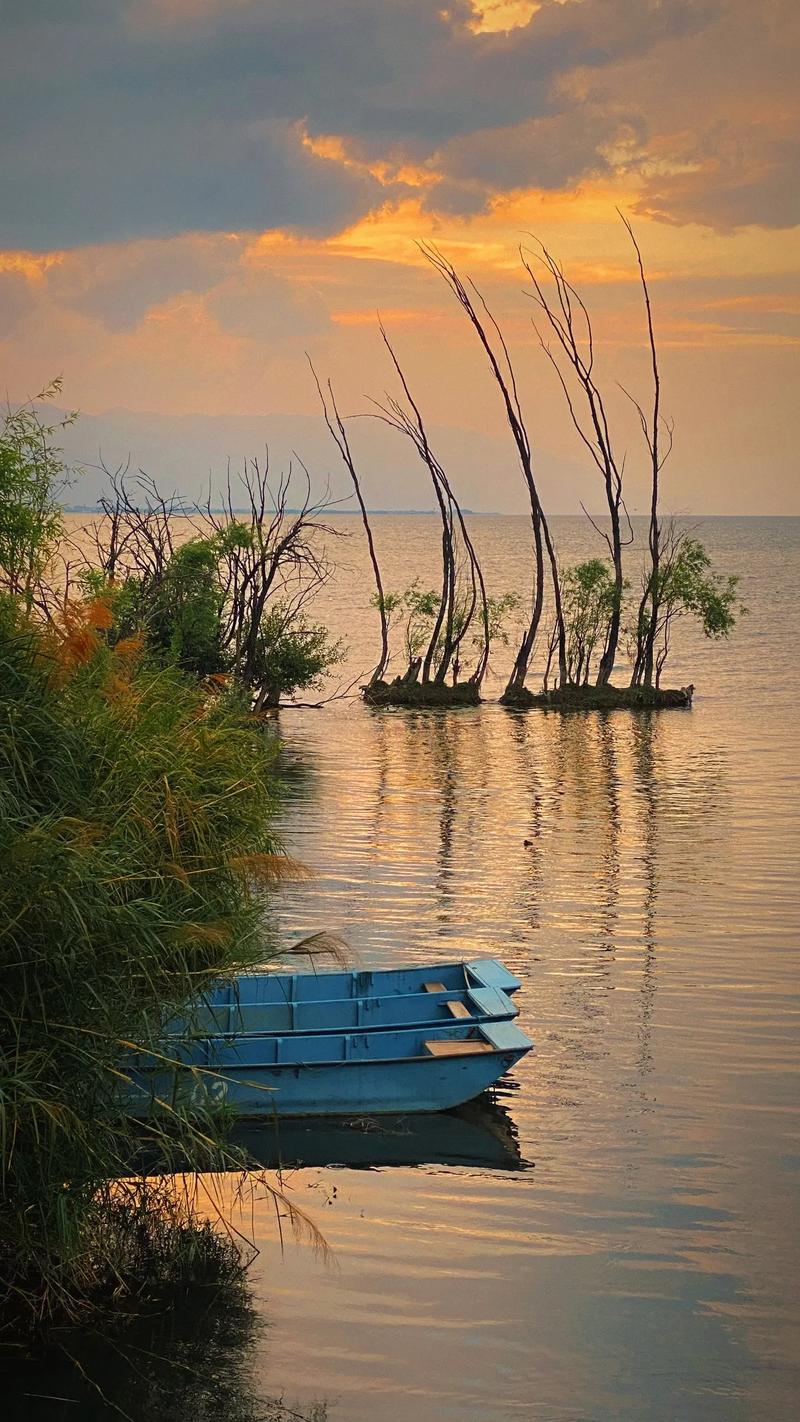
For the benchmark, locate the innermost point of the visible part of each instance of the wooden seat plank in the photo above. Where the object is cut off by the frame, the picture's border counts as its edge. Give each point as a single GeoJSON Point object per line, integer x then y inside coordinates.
{"type": "Point", "coordinates": [456, 1049]}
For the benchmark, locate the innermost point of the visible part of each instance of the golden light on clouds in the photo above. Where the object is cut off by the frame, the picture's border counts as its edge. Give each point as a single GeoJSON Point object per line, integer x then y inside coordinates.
{"type": "Point", "coordinates": [393, 315]}
{"type": "Point", "coordinates": [274, 197]}
{"type": "Point", "coordinates": [335, 148]}
{"type": "Point", "coordinates": [493, 16]}
{"type": "Point", "coordinates": [32, 265]}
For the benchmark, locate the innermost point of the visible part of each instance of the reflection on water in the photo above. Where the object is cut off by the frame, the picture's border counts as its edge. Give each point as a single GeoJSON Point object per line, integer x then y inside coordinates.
{"type": "Point", "coordinates": [639, 873]}
{"type": "Point", "coordinates": [190, 1360]}
{"type": "Point", "coordinates": [480, 1134]}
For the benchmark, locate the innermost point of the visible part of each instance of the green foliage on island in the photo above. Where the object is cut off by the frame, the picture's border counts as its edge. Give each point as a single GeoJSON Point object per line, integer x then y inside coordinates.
{"type": "Point", "coordinates": [686, 585]}
{"type": "Point", "coordinates": [589, 599]}
{"type": "Point", "coordinates": [414, 614]}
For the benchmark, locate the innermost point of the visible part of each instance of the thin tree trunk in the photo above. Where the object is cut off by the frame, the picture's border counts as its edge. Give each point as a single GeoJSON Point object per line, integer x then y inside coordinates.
{"type": "Point", "coordinates": [579, 351]}
{"type": "Point", "coordinates": [339, 436]}
{"type": "Point", "coordinates": [395, 415]}
{"type": "Point", "coordinates": [650, 604]}
{"type": "Point", "coordinates": [506, 383]}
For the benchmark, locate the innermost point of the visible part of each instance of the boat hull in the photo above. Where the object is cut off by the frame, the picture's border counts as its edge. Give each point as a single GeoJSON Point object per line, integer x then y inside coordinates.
{"type": "Point", "coordinates": [355, 1074]}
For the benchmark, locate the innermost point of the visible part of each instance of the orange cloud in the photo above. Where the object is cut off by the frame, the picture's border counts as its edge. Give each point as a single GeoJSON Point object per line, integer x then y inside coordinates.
{"type": "Point", "coordinates": [502, 16]}
{"type": "Point", "coordinates": [336, 149]}
{"type": "Point", "coordinates": [32, 265]}
{"type": "Point", "coordinates": [390, 314]}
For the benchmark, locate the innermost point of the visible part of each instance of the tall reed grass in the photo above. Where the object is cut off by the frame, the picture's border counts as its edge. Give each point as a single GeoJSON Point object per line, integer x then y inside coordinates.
{"type": "Point", "coordinates": [135, 840]}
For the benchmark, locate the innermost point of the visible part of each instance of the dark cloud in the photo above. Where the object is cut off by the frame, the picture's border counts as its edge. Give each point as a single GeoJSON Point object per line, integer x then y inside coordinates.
{"type": "Point", "coordinates": [744, 181]}
{"type": "Point", "coordinates": [162, 177]}
{"type": "Point", "coordinates": [156, 117]}
{"type": "Point", "coordinates": [550, 152]}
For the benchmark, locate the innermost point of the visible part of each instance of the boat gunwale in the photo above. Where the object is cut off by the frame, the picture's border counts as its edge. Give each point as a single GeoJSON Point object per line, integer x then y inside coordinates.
{"type": "Point", "coordinates": [521, 1049]}
{"type": "Point", "coordinates": [505, 1010]}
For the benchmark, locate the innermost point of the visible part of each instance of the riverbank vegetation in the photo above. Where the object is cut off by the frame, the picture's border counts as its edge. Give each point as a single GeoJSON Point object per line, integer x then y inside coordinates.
{"type": "Point", "coordinates": [221, 588]}
{"type": "Point", "coordinates": [136, 807]}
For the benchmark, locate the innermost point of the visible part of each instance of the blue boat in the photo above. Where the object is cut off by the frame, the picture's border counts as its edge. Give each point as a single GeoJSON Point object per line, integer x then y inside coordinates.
{"type": "Point", "coordinates": [370, 982]}
{"type": "Point", "coordinates": [432, 1008]}
{"type": "Point", "coordinates": [330, 1074]}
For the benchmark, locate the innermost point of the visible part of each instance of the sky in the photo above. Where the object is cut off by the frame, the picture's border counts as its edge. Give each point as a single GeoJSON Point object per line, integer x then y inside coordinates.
{"type": "Point", "coordinates": [198, 193]}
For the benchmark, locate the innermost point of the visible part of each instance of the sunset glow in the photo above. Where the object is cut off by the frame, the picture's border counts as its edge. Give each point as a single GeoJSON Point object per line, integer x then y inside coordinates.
{"type": "Point", "coordinates": [163, 285]}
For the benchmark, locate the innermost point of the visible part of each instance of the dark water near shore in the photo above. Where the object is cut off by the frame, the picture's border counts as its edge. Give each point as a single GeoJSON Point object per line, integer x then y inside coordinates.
{"type": "Point", "coordinates": [640, 873]}
{"type": "Point", "coordinates": [625, 1243]}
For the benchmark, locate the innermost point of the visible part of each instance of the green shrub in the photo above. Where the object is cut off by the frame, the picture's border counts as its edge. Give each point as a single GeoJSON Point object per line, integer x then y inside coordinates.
{"type": "Point", "coordinates": [292, 655]}
{"type": "Point", "coordinates": [134, 832]}
{"type": "Point", "coordinates": [31, 473]}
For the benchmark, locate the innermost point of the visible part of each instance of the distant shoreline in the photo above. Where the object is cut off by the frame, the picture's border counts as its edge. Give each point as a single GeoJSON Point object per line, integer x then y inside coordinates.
{"type": "Point", "coordinates": [430, 513]}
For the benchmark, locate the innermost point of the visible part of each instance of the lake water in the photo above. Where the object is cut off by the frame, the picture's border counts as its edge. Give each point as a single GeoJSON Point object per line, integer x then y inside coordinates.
{"type": "Point", "coordinates": [620, 1239]}
{"type": "Point", "coordinates": [640, 873]}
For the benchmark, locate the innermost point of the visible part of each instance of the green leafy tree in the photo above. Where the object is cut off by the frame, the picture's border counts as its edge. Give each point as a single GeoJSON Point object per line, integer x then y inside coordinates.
{"type": "Point", "coordinates": [421, 607]}
{"type": "Point", "coordinates": [293, 654]}
{"type": "Point", "coordinates": [688, 587]}
{"type": "Point", "coordinates": [180, 612]}
{"type": "Point", "coordinates": [32, 474]}
{"type": "Point", "coordinates": [417, 608]}
{"type": "Point", "coordinates": [501, 609]}
{"type": "Point", "coordinates": [496, 627]}
{"type": "Point", "coordinates": [590, 600]}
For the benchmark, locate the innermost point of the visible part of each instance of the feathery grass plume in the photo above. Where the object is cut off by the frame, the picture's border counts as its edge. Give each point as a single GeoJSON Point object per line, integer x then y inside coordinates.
{"type": "Point", "coordinates": [134, 807]}
{"type": "Point", "coordinates": [323, 945]}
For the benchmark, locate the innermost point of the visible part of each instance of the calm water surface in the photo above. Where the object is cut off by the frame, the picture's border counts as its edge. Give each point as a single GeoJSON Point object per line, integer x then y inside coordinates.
{"type": "Point", "coordinates": [640, 874]}
{"type": "Point", "coordinates": [636, 1256]}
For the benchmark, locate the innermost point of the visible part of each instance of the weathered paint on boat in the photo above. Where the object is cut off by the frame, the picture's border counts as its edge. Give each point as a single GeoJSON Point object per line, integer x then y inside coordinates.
{"type": "Point", "coordinates": [335, 1074]}
{"type": "Point", "coordinates": [365, 982]}
{"type": "Point", "coordinates": [347, 1014]}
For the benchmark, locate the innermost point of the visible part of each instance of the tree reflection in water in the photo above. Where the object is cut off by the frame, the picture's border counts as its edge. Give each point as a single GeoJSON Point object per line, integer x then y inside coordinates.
{"type": "Point", "coordinates": [192, 1361]}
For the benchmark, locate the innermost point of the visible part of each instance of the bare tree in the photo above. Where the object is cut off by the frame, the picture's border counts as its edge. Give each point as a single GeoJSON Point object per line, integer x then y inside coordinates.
{"type": "Point", "coordinates": [570, 324]}
{"type": "Point", "coordinates": [137, 528]}
{"type": "Point", "coordinates": [269, 559]}
{"type": "Point", "coordinates": [278, 558]}
{"type": "Point", "coordinates": [652, 428]}
{"type": "Point", "coordinates": [458, 604]}
{"type": "Point", "coordinates": [494, 345]}
{"type": "Point", "coordinates": [335, 425]}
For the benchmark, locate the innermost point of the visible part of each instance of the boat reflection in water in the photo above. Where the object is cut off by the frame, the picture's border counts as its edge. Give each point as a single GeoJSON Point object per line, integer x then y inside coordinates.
{"type": "Point", "coordinates": [480, 1133]}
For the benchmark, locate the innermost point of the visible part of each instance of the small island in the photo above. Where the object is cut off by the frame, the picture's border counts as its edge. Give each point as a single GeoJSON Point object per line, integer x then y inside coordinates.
{"type": "Point", "coordinates": [589, 617]}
